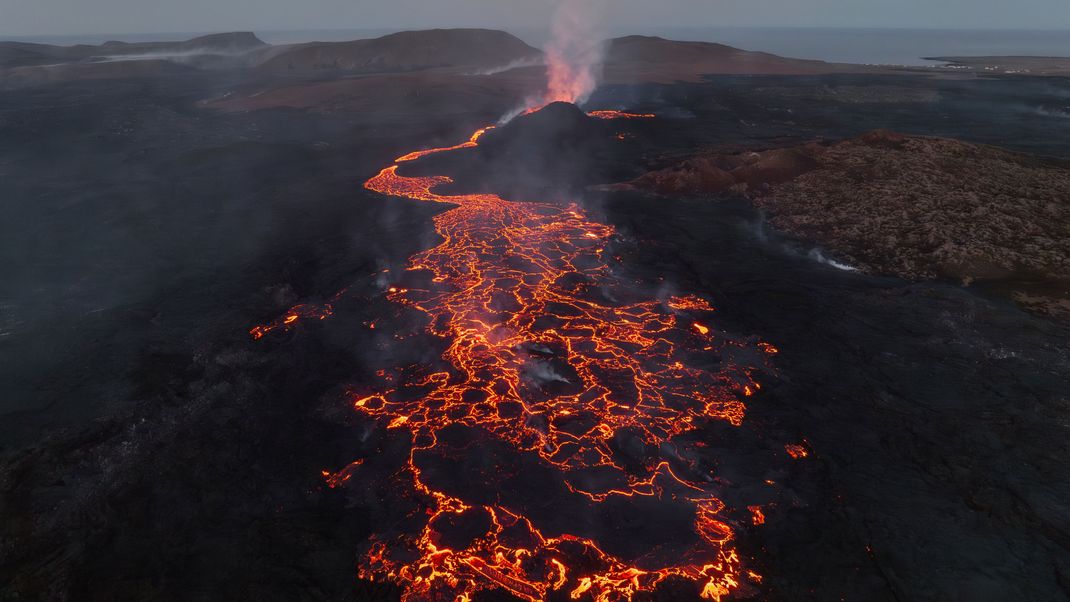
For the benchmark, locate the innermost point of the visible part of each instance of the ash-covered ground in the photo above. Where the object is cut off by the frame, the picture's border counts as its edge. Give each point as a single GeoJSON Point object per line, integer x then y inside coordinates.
{"type": "Point", "coordinates": [153, 451]}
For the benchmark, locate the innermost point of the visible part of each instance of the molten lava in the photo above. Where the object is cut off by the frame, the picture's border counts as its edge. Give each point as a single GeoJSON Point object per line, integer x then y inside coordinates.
{"type": "Point", "coordinates": [542, 359]}
{"type": "Point", "coordinates": [609, 114]}
{"type": "Point", "coordinates": [797, 451]}
{"type": "Point", "coordinates": [473, 141]}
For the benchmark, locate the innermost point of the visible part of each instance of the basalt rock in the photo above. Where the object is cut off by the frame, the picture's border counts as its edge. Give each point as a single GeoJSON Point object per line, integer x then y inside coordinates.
{"type": "Point", "coordinates": [919, 208]}
{"type": "Point", "coordinates": [718, 174]}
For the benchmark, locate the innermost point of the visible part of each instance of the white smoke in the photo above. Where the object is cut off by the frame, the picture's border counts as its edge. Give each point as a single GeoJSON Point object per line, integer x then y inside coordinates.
{"type": "Point", "coordinates": [516, 64]}
{"type": "Point", "coordinates": [573, 55]}
{"type": "Point", "coordinates": [820, 257]}
{"type": "Point", "coordinates": [575, 51]}
{"type": "Point", "coordinates": [542, 373]}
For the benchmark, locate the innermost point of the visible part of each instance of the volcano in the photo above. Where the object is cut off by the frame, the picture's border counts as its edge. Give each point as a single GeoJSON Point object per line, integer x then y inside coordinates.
{"type": "Point", "coordinates": [555, 127]}
{"type": "Point", "coordinates": [552, 153]}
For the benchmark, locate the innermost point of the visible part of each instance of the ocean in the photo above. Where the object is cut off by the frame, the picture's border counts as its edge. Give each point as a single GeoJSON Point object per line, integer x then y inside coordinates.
{"type": "Point", "coordinates": [847, 45]}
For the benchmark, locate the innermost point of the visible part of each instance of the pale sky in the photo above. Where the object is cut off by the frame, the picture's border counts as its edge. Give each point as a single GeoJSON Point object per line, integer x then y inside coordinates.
{"type": "Point", "coordinates": [62, 17]}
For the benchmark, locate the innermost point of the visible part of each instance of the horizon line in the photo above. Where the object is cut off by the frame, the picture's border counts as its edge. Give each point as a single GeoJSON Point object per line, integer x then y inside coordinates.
{"type": "Point", "coordinates": [536, 28]}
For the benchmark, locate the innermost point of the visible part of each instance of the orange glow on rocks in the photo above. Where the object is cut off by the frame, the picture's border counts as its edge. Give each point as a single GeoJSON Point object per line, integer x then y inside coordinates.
{"type": "Point", "coordinates": [757, 516]}
{"type": "Point", "coordinates": [690, 302]}
{"type": "Point", "coordinates": [298, 312]}
{"type": "Point", "coordinates": [473, 141]}
{"type": "Point", "coordinates": [620, 115]}
{"type": "Point", "coordinates": [797, 451]}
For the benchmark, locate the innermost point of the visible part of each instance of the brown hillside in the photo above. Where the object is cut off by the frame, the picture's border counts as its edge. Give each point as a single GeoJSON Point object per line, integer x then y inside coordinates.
{"type": "Point", "coordinates": [405, 51]}
{"type": "Point", "coordinates": [650, 59]}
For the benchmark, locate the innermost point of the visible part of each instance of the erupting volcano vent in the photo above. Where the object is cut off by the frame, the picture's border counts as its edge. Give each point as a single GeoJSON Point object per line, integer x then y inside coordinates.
{"type": "Point", "coordinates": [574, 54]}
{"type": "Point", "coordinates": [548, 449]}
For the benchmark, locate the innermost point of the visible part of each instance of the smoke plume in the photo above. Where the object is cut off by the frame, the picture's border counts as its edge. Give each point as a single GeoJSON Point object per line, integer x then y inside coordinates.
{"type": "Point", "coordinates": [575, 51]}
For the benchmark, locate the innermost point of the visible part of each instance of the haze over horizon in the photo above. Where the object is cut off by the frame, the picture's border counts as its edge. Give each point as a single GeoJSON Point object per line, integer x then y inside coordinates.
{"type": "Point", "coordinates": [67, 17]}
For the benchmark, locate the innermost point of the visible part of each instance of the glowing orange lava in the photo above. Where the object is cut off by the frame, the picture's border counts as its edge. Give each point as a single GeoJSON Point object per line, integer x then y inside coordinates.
{"type": "Point", "coordinates": [291, 317]}
{"type": "Point", "coordinates": [797, 451]}
{"type": "Point", "coordinates": [757, 515]}
{"type": "Point", "coordinates": [609, 114]}
{"type": "Point", "coordinates": [473, 141]}
{"type": "Point", "coordinates": [513, 290]}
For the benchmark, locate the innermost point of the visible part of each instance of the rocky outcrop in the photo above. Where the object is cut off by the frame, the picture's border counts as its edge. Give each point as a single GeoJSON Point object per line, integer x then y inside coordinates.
{"type": "Point", "coordinates": [920, 208]}
{"type": "Point", "coordinates": [742, 173]}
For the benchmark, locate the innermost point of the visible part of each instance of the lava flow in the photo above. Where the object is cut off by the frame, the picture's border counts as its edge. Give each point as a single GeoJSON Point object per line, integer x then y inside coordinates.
{"type": "Point", "coordinates": [612, 114]}
{"type": "Point", "coordinates": [550, 356]}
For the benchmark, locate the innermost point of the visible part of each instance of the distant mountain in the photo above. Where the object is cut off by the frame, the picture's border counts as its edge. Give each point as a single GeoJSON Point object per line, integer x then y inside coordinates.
{"type": "Point", "coordinates": [19, 54]}
{"type": "Point", "coordinates": [645, 58]}
{"type": "Point", "coordinates": [233, 42]}
{"type": "Point", "coordinates": [629, 60]}
{"type": "Point", "coordinates": [405, 51]}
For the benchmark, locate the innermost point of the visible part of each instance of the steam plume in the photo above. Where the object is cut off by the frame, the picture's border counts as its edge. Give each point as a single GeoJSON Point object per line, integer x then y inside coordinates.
{"type": "Point", "coordinates": [575, 51]}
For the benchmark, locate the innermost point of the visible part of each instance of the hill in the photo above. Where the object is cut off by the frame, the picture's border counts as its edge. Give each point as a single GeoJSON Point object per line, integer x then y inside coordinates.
{"type": "Point", "coordinates": [404, 51]}
{"type": "Point", "coordinates": [22, 54]}
{"type": "Point", "coordinates": [634, 59]}
{"type": "Point", "coordinates": [909, 206]}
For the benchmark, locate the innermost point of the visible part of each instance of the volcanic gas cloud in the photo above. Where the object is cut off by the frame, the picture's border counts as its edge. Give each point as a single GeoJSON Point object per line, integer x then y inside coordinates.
{"type": "Point", "coordinates": [574, 53]}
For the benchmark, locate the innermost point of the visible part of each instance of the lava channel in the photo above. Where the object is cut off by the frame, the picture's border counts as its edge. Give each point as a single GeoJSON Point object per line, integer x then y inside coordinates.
{"type": "Point", "coordinates": [550, 357]}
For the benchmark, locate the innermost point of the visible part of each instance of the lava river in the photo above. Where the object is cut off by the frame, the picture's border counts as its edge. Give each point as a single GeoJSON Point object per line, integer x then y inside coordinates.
{"type": "Point", "coordinates": [552, 356]}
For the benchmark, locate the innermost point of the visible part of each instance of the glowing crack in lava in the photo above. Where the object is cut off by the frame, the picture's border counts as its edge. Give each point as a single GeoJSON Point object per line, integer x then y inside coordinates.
{"type": "Point", "coordinates": [610, 114]}
{"type": "Point", "coordinates": [551, 356]}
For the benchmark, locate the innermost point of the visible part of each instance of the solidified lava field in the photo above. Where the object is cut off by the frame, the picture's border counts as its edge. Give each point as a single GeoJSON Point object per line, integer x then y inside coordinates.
{"type": "Point", "coordinates": [289, 355]}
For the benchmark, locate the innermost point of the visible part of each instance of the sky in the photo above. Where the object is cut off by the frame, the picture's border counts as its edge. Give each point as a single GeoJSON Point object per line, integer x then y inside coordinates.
{"type": "Point", "coordinates": [73, 17]}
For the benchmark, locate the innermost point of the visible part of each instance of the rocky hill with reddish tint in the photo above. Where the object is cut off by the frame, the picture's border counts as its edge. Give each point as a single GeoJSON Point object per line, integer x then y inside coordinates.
{"type": "Point", "coordinates": [920, 208]}
{"type": "Point", "coordinates": [739, 173]}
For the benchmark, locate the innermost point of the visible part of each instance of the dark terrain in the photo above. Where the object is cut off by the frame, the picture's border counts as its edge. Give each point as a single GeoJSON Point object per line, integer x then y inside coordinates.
{"type": "Point", "coordinates": [153, 451]}
{"type": "Point", "coordinates": [916, 207]}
